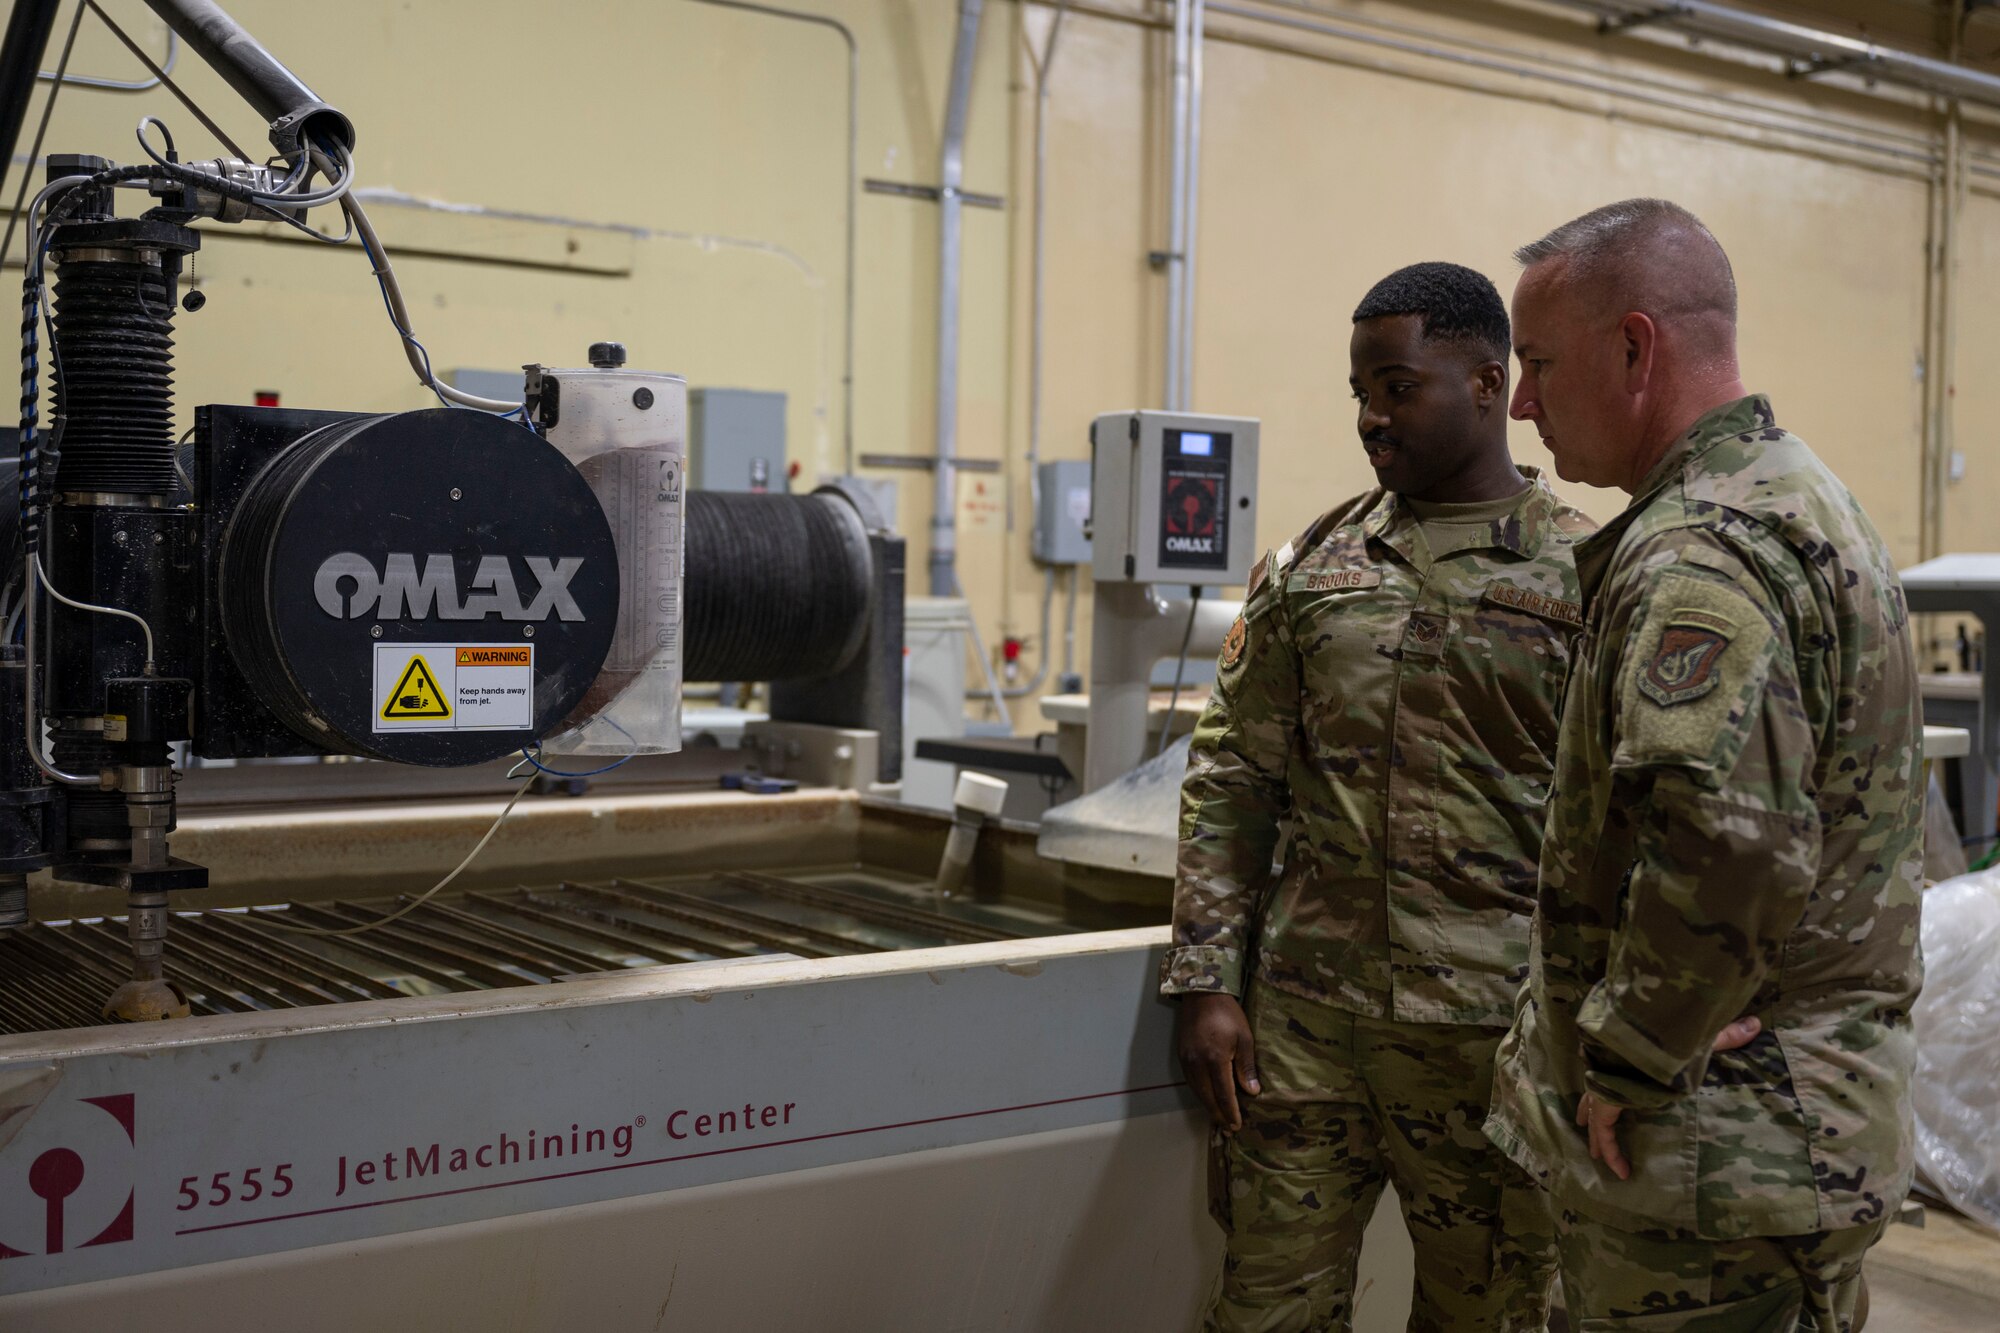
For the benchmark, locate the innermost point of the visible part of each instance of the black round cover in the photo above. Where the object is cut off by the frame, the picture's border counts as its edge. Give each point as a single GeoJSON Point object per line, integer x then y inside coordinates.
{"type": "Point", "coordinates": [445, 530]}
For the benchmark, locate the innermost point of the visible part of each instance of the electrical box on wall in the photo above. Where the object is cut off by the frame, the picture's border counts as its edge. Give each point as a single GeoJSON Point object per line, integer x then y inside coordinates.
{"type": "Point", "coordinates": [736, 440]}
{"type": "Point", "coordinates": [1062, 514]}
{"type": "Point", "coordinates": [1173, 498]}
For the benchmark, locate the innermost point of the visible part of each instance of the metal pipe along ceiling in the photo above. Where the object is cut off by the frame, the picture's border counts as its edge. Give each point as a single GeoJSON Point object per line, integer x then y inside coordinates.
{"type": "Point", "coordinates": [1813, 50]}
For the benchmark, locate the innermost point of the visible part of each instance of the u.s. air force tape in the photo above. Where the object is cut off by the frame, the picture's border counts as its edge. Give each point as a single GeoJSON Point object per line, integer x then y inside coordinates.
{"type": "Point", "coordinates": [1520, 599]}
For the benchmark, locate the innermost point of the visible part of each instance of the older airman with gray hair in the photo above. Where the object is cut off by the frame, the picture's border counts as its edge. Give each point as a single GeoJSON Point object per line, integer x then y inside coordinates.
{"type": "Point", "coordinates": [1734, 829]}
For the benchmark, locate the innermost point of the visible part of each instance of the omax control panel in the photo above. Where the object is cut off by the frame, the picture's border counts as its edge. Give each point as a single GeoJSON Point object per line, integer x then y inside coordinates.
{"type": "Point", "coordinates": [1173, 498]}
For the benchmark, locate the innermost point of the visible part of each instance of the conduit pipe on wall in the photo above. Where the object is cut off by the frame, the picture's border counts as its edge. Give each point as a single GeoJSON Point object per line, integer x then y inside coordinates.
{"type": "Point", "coordinates": [1815, 50]}
{"type": "Point", "coordinates": [951, 215]}
{"type": "Point", "coordinates": [1436, 46]}
{"type": "Point", "coordinates": [853, 185]}
{"type": "Point", "coordinates": [1940, 318]}
{"type": "Point", "coordinates": [1043, 64]}
{"type": "Point", "coordinates": [1033, 684]}
{"type": "Point", "coordinates": [1191, 197]}
{"type": "Point", "coordinates": [1629, 77]}
{"type": "Point", "coordinates": [1176, 196]}
{"type": "Point", "coordinates": [1183, 176]}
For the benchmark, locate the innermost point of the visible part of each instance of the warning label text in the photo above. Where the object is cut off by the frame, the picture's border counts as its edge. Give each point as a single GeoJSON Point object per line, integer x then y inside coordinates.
{"type": "Point", "coordinates": [454, 687]}
{"type": "Point", "coordinates": [514, 656]}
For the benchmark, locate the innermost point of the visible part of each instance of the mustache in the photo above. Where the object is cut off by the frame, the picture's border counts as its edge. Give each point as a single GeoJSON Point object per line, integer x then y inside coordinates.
{"type": "Point", "coordinates": [1377, 439]}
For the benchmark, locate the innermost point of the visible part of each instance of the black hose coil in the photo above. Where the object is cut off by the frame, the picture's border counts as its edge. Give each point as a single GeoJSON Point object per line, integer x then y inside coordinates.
{"type": "Point", "coordinates": [778, 586]}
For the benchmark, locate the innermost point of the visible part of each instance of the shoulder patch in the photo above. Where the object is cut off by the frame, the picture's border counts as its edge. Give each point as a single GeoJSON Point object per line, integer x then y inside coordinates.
{"type": "Point", "coordinates": [1259, 576]}
{"type": "Point", "coordinates": [1232, 643]}
{"type": "Point", "coordinates": [1520, 599]}
{"type": "Point", "coordinates": [1693, 672]}
{"type": "Point", "coordinates": [1682, 666]}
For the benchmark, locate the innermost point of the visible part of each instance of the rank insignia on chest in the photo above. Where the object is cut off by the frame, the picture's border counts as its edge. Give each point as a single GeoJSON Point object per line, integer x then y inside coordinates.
{"type": "Point", "coordinates": [1232, 643]}
{"type": "Point", "coordinates": [1682, 668]}
{"type": "Point", "coordinates": [1424, 636]}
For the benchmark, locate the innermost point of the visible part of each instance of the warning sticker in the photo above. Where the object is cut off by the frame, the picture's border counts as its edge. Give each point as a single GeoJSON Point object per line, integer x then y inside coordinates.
{"type": "Point", "coordinates": [416, 694]}
{"type": "Point", "coordinates": [454, 687]}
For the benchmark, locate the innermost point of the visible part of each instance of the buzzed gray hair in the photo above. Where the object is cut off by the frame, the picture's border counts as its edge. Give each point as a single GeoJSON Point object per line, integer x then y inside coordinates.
{"type": "Point", "coordinates": [1650, 255]}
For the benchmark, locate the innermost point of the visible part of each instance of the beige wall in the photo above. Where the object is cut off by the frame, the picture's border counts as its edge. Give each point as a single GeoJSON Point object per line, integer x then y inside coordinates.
{"type": "Point", "coordinates": [685, 163]}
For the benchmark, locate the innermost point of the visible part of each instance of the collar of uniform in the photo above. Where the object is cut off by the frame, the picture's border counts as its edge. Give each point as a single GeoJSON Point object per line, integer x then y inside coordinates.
{"type": "Point", "coordinates": [1524, 530]}
{"type": "Point", "coordinates": [1731, 419]}
{"type": "Point", "coordinates": [1521, 532]}
{"type": "Point", "coordinates": [1593, 553]}
{"type": "Point", "coordinates": [1390, 521]}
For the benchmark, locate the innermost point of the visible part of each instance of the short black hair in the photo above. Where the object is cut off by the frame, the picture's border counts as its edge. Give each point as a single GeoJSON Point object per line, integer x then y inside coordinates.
{"type": "Point", "coordinates": [1456, 303]}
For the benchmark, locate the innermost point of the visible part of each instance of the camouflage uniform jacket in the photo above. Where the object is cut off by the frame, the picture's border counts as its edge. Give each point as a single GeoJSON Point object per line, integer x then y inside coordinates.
{"type": "Point", "coordinates": [1406, 724]}
{"type": "Point", "coordinates": [1735, 829]}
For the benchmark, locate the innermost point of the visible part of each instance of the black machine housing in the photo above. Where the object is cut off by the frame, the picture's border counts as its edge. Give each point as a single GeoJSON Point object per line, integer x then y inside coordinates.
{"type": "Point", "coordinates": [437, 587]}
{"type": "Point", "coordinates": [331, 540]}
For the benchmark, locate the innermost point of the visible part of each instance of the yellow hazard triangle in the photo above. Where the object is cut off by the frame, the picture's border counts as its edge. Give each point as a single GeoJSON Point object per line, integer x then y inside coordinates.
{"type": "Point", "coordinates": [416, 694]}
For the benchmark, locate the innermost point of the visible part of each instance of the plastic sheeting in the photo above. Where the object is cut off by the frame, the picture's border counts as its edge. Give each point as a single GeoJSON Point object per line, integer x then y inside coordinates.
{"type": "Point", "coordinates": [1944, 852]}
{"type": "Point", "coordinates": [1958, 1046]}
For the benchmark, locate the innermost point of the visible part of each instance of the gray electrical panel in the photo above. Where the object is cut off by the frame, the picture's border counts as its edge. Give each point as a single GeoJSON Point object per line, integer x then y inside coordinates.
{"type": "Point", "coordinates": [1062, 516]}
{"type": "Point", "coordinates": [736, 440]}
{"type": "Point", "coordinates": [505, 385]}
{"type": "Point", "coordinates": [1173, 498]}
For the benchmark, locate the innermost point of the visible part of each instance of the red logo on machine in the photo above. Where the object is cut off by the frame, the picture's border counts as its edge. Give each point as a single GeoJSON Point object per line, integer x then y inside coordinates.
{"type": "Point", "coordinates": [66, 1180]}
{"type": "Point", "coordinates": [1191, 506]}
{"type": "Point", "coordinates": [1194, 501]}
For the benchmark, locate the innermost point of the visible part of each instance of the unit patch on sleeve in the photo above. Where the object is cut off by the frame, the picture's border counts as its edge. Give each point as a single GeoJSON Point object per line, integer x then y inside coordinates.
{"type": "Point", "coordinates": [1692, 669]}
{"type": "Point", "coordinates": [1682, 668]}
{"type": "Point", "coordinates": [1232, 643]}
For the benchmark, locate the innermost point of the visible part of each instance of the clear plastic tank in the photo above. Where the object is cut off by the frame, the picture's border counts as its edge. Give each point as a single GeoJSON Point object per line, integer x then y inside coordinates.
{"type": "Point", "coordinates": [626, 432]}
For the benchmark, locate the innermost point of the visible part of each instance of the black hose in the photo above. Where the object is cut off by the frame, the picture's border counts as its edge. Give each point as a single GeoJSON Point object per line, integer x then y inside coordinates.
{"type": "Point", "coordinates": [295, 112]}
{"type": "Point", "coordinates": [28, 28]}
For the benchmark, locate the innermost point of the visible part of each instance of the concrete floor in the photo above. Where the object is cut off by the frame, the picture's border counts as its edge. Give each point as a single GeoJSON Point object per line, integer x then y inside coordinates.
{"type": "Point", "coordinates": [1942, 1277]}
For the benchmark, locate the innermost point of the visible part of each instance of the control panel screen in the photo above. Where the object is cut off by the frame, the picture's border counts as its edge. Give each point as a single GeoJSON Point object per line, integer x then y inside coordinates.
{"type": "Point", "coordinates": [1194, 499]}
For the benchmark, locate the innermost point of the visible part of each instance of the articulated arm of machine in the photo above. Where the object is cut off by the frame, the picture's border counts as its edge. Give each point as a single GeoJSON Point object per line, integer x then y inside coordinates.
{"type": "Point", "coordinates": [443, 587]}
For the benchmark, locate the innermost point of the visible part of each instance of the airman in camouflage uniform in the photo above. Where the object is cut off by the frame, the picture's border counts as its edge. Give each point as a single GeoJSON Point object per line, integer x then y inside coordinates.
{"type": "Point", "coordinates": [1735, 827]}
{"type": "Point", "coordinates": [1384, 723]}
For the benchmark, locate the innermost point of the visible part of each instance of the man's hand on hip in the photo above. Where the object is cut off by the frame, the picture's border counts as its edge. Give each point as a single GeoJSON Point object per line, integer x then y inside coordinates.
{"type": "Point", "coordinates": [1738, 1034]}
{"type": "Point", "coordinates": [1218, 1054]}
{"type": "Point", "coordinates": [1599, 1118]}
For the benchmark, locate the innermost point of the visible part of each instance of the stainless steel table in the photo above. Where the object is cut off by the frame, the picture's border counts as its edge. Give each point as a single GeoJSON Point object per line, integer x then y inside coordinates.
{"type": "Point", "coordinates": [1968, 584]}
